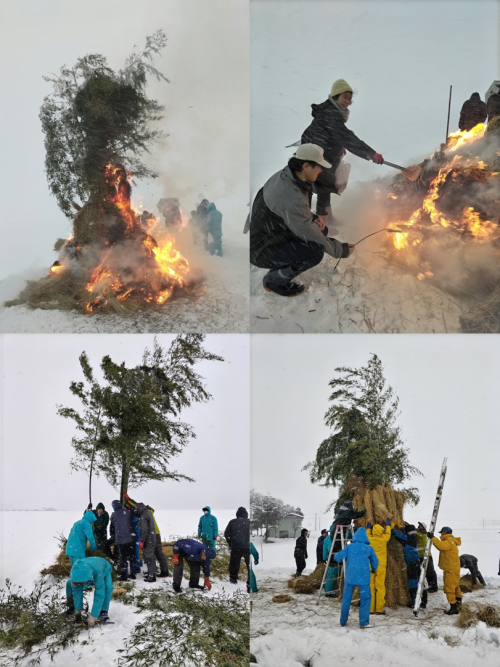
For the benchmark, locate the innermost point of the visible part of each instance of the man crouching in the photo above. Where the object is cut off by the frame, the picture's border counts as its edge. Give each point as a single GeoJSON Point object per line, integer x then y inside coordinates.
{"type": "Point", "coordinates": [285, 236]}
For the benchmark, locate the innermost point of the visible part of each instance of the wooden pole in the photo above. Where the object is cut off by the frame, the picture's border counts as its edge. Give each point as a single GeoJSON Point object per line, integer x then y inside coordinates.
{"type": "Point", "coordinates": [448, 122]}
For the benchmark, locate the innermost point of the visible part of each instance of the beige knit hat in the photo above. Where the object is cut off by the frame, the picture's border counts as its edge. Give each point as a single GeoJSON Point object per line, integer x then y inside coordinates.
{"type": "Point", "coordinates": [340, 86]}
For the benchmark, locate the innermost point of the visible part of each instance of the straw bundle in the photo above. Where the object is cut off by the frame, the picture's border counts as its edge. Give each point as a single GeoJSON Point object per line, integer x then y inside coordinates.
{"type": "Point", "coordinates": [282, 597]}
{"type": "Point", "coordinates": [466, 584]}
{"type": "Point", "coordinates": [308, 584]}
{"type": "Point", "coordinates": [470, 614]}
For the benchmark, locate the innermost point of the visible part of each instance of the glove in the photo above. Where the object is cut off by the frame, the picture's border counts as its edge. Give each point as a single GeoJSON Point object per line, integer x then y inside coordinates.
{"type": "Point", "coordinates": [369, 525]}
{"type": "Point", "coordinates": [430, 535]}
{"type": "Point", "coordinates": [473, 585]}
{"type": "Point", "coordinates": [215, 538]}
{"type": "Point", "coordinates": [141, 545]}
{"type": "Point", "coordinates": [378, 159]}
{"type": "Point", "coordinates": [388, 522]}
{"type": "Point", "coordinates": [175, 559]}
{"type": "Point", "coordinates": [91, 621]}
{"type": "Point", "coordinates": [256, 562]}
{"type": "Point", "coordinates": [89, 507]}
{"type": "Point", "coordinates": [207, 583]}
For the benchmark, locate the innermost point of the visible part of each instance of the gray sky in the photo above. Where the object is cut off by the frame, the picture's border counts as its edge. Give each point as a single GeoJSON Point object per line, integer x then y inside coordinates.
{"type": "Point", "coordinates": [448, 388]}
{"type": "Point", "coordinates": [36, 371]}
{"type": "Point", "coordinates": [400, 56]}
{"type": "Point", "coordinates": [207, 107]}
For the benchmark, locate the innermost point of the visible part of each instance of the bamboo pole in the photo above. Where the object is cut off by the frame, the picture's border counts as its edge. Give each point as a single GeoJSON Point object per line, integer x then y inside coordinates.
{"type": "Point", "coordinates": [448, 122]}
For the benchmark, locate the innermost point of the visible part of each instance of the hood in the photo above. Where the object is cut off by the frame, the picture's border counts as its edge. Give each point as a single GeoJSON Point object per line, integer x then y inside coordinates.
{"type": "Point", "coordinates": [207, 507]}
{"type": "Point", "coordinates": [361, 536]}
{"type": "Point", "coordinates": [377, 530]}
{"type": "Point", "coordinates": [241, 513]}
{"type": "Point", "coordinates": [211, 206]}
{"type": "Point", "coordinates": [90, 517]}
{"type": "Point", "coordinates": [81, 571]}
{"type": "Point", "coordinates": [475, 97]}
{"type": "Point", "coordinates": [449, 536]}
{"type": "Point", "coordinates": [116, 505]}
{"type": "Point", "coordinates": [317, 109]}
{"type": "Point", "coordinates": [139, 508]}
{"type": "Point", "coordinates": [210, 553]}
{"type": "Point", "coordinates": [100, 506]}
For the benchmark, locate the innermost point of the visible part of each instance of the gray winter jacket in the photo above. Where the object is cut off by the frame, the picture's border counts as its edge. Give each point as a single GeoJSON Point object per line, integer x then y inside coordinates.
{"type": "Point", "coordinates": [281, 213]}
{"type": "Point", "coordinates": [147, 524]}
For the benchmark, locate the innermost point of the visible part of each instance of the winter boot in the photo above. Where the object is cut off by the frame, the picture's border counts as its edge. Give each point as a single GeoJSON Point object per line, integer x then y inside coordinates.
{"type": "Point", "coordinates": [176, 588]}
{"type": "Point", "coordinates": [286, 289]}
{"type": "Point", "coordinates": [164, 574]}
{"type": "Point", "coordinates": [380, 613]}
{"type": "Point", "coordinates": [122, 579]}
{"type": "Point", "coordinates": [454, 609]}
{"type": "Point", "coordinates": [433, 589]}
{"type": "Point", "coordinates": [232, 580]}
{"type": "Point", "coordinates": [132, 576]}
{"type": "Point", "coordinates": [365, 627]}
{"type": "Point", "coordinates": [70, 611]}
{"type": "Point", "coordinates": [150, 580]}
{"type": "Point", "coordinates": [104, 616]}
{"type": "Point", "coordinates": [459, 602]}
{"type": "Point", "coordinates": [197, 587]}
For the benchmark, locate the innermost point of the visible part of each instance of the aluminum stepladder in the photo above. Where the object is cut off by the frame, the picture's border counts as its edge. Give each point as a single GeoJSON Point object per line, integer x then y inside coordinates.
{"type": "Point", "coordinates": [341, 532]}
{"type": "Point", "coordinates": [432, 527]}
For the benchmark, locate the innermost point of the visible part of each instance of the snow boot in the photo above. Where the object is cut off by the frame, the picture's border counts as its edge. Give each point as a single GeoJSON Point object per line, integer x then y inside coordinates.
{"type": "Point", "coordinates": [132, 576]}
{"type": "Point", "coordinates": [70, 611]}
{"type": "Point", "coordinates": [232, 580]}
{"type": "Point", "coordinates": [332, 595]}
{"type": "Point", "coordinates": [104, 616]}
{"type": "Point", "coordinates": [434, 589]}
{"type": "Point", "coordinates": [123, 579]}
{"type": "Point", "coordinates": [150, 580]}
{"type": "Point", "coordinates": [454, 609]}
{"type": "Point", "coordinates": [459, 602]}
{"type": "Point", "coordinates": [197, 587]}
{"type": "Point", "coordinates": [176, 587]}
{"type": "Point", "coordinates": [364, 627]}
{"type": "Point", "coordinates": [380, 613]}
{"type": "Point", "coordinates": [164, 574]}
{"type": "Point", "coordinates": [286, 289]}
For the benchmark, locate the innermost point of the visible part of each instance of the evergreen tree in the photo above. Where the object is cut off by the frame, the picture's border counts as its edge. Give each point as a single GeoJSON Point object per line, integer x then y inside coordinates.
{"type": "Point", "coordinates": [96, 116]}
{"type": "Point", "coordinates": [366, 441]}
{"type": "Point", "coordinates": [89, 423]}
{"type": "Point", "coordinates": [135, 415]}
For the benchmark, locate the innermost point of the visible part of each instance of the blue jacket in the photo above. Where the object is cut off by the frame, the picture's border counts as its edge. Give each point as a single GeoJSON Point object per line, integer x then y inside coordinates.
{"type": "Point", "coordinates": [79, 535]}
{"type": "Point", "coordinates": [192, 550]}
{"type": "Point", "coordinates": [359, 556]}
{"type": "Point", "coordinates": [214, 223]}
{"type": "Point", "coordinates": [208, 526]}
{"type": "Point", "coordinates": [93, 571]}
{"type": "Point", "coordinates": [121, 520]}
{"type": "Point", "coordinates": [412, 558]}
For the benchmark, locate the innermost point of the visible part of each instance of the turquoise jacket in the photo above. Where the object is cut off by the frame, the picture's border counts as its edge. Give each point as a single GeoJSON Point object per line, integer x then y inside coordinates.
{"type": "Point", "coordinates": [208, 526]}
{"type": "Point", "coordinates": [94, 572]}
{"type": "Point", "coordinates": [214, 222]}
{"type": "Point", "coordinates": [80, 533]}
{"type": "Point", "coordinates": [253, 580]}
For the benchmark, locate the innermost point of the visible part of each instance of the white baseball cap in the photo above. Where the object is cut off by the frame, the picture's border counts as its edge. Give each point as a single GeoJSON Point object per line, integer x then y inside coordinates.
{"type": "Point", "coordinates": [312, 153]}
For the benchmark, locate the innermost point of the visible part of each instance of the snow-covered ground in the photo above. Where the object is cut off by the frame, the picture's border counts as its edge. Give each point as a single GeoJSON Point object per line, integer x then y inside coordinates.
{"type": "Point", "coordinates": [293, 633]}
{"type": "Point", "coordinates": [27, 545]}
{"type": "Point", "coordinates": [363, 294]}
{"type": "Point", "coordinates": [221, 304]}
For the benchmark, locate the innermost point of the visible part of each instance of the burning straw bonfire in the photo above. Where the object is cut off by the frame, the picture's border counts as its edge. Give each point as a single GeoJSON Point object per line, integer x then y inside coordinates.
{"type": "Point", "coordinates": [450, 222]}
{"type": "Point", "coordinates": [96, 123]}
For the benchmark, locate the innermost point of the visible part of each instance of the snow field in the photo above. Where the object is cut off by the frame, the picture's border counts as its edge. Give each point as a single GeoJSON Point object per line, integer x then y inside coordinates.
{"type": "Point", "coordinates": [28, 545]}
{"type": "Point", "coordinates": [290, 634]}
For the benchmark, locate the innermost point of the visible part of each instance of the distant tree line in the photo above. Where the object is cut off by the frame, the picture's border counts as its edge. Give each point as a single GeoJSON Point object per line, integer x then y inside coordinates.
{"type": "Point", "coordinates": [267, 511]}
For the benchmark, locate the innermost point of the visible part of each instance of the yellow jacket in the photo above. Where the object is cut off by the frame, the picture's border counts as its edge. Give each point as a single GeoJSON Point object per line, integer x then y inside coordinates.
{"type": "Point", "coordinates": [449, 560]}
{"type": "Point", "coordinates": [379, 537]}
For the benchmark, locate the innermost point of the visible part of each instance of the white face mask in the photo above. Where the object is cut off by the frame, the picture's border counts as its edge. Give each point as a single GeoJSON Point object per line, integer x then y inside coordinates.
{"type": "Point", "coordinates": [205, 511]}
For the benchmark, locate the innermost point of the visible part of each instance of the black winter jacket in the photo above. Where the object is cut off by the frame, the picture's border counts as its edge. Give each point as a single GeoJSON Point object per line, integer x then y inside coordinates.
{"type": "Point", "coordinates": [319, 548]}
{"type": "Point", "coordinates": [328, 130]}
{"type": "Point", "coordinates": [301, 546]}
{"type": "Point", "coordinates": [473, 112]}
{"type": "Point", "coordinates": [237, 532]}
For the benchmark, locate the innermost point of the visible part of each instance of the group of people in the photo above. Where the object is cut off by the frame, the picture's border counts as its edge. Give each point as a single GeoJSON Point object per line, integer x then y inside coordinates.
{"type": "Point", "coordinates": [286, 237]}
{"type": "Point", "coordinates": [205, 220]}
{"type": "Point", "coordinates": [135, 538]}
{"type": "Point", "coordinates": [364, 554]}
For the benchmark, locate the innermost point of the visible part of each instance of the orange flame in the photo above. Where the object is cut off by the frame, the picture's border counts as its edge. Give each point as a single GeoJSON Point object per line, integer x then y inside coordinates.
{"type": "Point", "coordinates": [55, 268]}
{"type": "Point", "coordinates": [457, 139]}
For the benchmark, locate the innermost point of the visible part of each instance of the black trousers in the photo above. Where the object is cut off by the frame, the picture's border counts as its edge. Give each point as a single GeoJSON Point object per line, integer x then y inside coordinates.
{"type": "Point", "coordinates": [413, 593]}
{"type": "Point", "coordinates": [300, 561]}
{"type": "Point", "coordinates": [430, 574]}
{"type": "Point", "coordinates": [235, 562]}
{"type": "Point", "coordinates": [292, 258]}
{"type": "Point", "coordinates": [194, 572]}
{"type": "Point", "coordinates": [475, 574]}
{"type": "Point", "coordinates": [127, 555]}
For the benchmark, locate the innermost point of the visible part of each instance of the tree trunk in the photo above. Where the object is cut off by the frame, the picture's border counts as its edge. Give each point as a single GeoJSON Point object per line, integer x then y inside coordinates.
{"type": "Point", "coordinates": [124, 480]}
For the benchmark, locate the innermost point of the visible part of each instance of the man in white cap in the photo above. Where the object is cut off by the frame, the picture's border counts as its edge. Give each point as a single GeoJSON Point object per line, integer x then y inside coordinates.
{"type": "Point", "coordinates": [285, 236]}
{"type": "Point", "coordinates": [328, 130]}
{"type": "Point", "coordinates": [430, 574]}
